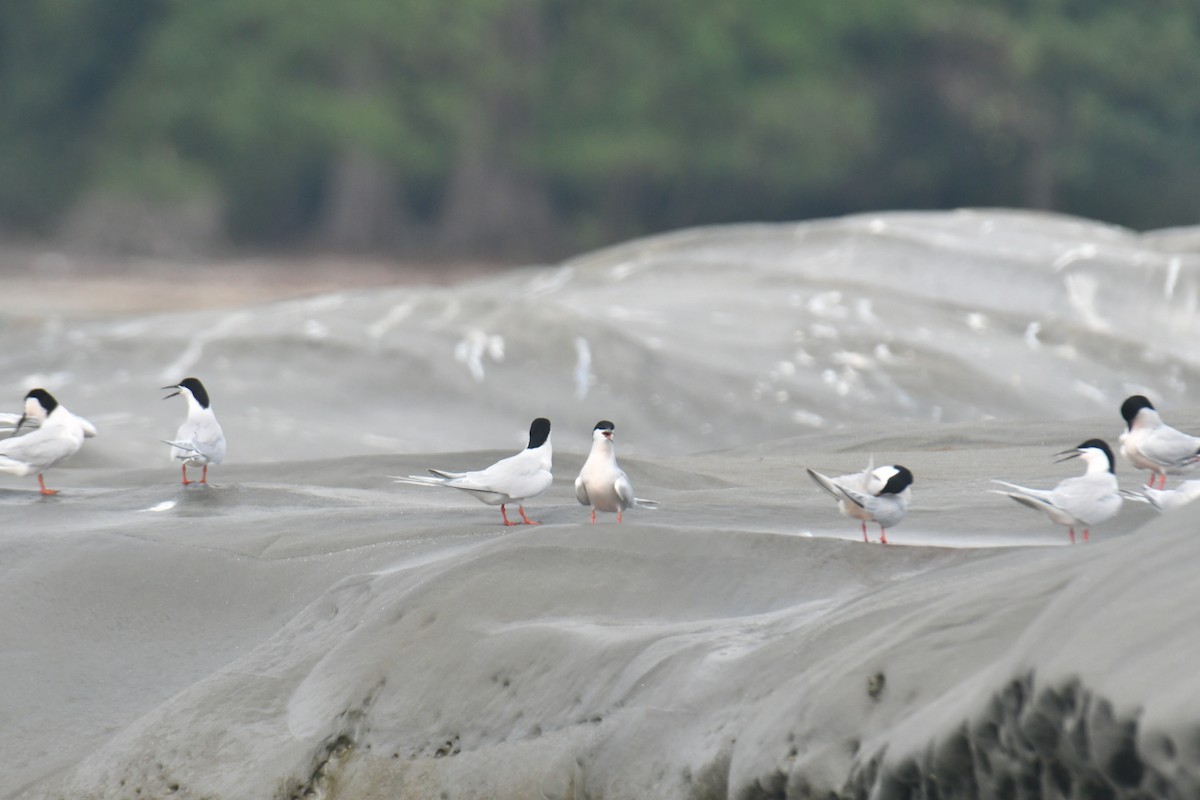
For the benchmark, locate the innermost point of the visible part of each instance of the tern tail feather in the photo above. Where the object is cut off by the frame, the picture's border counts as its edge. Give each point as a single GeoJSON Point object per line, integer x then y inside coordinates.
{"type": "Point", "coordinates": [824, 483]}
{"type": "Point", "coordinates": [183, 445]}
{"type": "Point", "coordinates": [418, 480]}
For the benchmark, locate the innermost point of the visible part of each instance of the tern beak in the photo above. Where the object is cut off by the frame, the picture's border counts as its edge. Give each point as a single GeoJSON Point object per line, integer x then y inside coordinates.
{"type": "Point", "coordinates": [172, 394]}
{"type": "Point", "coordinates": [608, 435]}
{"type": "Point", "coordinates": [1065, 455]}
{"type": "Point", "coordinates": [20, 422]}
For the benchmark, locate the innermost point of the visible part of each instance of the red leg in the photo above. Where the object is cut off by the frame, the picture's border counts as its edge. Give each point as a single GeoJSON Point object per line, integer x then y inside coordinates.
{"type": "Point", "coordinates": [186, 482]}
{"type": "Point", "coordinates": [864, 530]}
{"type": "Point", "coordinates": [1162, 483]}
{"type": "Point", "coordinates": [42, 483]}
{"type": "Point", "coordinates": [204, 475]}
{"type": "Point", "coordinates": [618, 516]}
{"type": "Point", "coordinates": [528, 521]}
{"type": "Point", "coordinates": [504, 514]}
{"type": "Point", "coordinates": [593, 516]}
{"type": "Point", "coordinates": [882, 535]}
{"type": "Point", "coordinates": [1085, 534]}
{"type": "Point", "coordinates": [1071, 531]}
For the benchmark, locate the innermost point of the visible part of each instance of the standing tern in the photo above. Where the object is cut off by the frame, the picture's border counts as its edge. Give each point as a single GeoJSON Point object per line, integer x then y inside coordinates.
{"type": "Point", "coordinates": [59, 435]}
{"type": "Point", "coordinates": [199, 440]}
{"type": "Point", "coordinates": [1167, 499]}
{"type": "Point", "coordinates": [509, 480]}
{"type": "Point", "coordinates": [1086, 500]}
{"type": "Point", "coordinates": [1149, 443]}
{"type": "Point", "coordinates": [879, 495]}
{"type": "Point", "coordinates": [601, 483]}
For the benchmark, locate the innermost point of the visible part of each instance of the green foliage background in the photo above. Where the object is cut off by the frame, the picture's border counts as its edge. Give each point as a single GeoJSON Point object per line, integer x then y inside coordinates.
{"type": "Point", "coordinates": [515, 128]}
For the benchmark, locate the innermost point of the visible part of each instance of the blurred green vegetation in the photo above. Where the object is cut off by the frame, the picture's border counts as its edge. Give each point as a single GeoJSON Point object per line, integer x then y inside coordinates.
{"type": "Point", "coordinates": [531, 128]}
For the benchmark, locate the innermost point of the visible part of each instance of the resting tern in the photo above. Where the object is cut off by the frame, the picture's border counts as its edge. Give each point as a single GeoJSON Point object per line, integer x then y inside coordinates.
{"type": "Point", "coordinates": [199, 440]}
{"type": "Point", "coordinates": [1149, 443]}
{"type": "Point", "coordinates": [1086, 500]}
{"type": "Point", "coordinates": [509, 480]}
{"type": "Point", "coordinates": [879, 495]}
{"type": "Point", "coordinates": [601, 483]}
{"type": "Point", "coordinates": [59, 435]}
{"type": "Point", "coordinates": [1167, 499]}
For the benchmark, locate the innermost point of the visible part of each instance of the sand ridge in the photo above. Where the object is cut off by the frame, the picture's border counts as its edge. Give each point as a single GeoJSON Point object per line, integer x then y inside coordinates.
{"type": "Point", "coordinates": [306, 628]}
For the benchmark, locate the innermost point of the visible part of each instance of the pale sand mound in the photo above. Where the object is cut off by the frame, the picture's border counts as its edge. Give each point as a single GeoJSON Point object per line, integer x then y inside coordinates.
{"type": "Point", "coordinates": [313, 628]}
{"type": "Point", "coordinates": [306, 628]}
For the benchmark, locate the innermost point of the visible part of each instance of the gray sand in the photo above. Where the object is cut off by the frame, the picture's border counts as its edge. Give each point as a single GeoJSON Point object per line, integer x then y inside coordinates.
{"type": "Point", "coordinates": [304, 627]}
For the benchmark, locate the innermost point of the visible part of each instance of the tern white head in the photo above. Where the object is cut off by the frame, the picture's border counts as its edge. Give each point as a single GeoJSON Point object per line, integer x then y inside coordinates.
{"type": "Point", "coordinates": [1149, 443]}
{"type": "Point", "coordinates": [59, 434]}
{"type": "Point", "coordinates": [602, 484]}
{"type": "Point", "coordinates": [1083, 501]}
{"type": "Point", "coordinates": [879, 495]}
{"type": "Point", "coordinates": [509, 480]}
{"type": "Point", "coordinates": [199, 440]}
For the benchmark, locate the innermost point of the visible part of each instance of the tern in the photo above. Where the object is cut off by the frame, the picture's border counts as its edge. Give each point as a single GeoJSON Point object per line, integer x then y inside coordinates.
{"type": "Point", "coordinates": [1149, 443]}
{"type": "Point", "coordinates": [1083, 501]}
{"type": "Point", "coordinates": [1167, 499]}
{"type": "Point", "coordinates": [59, 435]}
{"type": "Point", "coordinates": [879, 495]}
{"type": "Point", "coordinates": [509, 480]}
{"type": "Point", "coordinates": [199, 440]}
{"type": "Point", "coordinates": [602, 484]}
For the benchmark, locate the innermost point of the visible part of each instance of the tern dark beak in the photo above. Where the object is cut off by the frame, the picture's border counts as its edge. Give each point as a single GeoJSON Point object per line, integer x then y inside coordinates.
{"type": "Point", "coordinates": [172, 394]}
{"type": "Point", "coordinates": [1065, 455]}
{"type": "Point", "coordinates": [20, 422]}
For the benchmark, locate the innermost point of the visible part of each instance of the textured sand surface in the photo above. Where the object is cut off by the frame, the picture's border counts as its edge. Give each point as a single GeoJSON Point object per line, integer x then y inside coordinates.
{"type": "Point", "coordinates": [306, 628]}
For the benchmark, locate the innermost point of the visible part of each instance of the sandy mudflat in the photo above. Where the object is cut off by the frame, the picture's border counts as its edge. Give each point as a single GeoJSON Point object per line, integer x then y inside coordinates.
{"type": "Point", "coordinates": [41, 280]}
{"type": "Point", "coordinates": [307, 628]}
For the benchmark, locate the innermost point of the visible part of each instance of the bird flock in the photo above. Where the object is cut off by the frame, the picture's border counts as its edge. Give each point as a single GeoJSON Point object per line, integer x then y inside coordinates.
{"type": "Point", "coordinates": [601, 484]}
{"type": "Point", "coordinates": [56, 434]}
{"type": "Point", "coordinates": [1094, 497]}
{"type": "Point", "coordinates": [881, 495]}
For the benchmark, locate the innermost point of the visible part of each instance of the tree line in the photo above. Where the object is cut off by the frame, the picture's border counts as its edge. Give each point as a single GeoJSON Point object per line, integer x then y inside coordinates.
{"type": "Point", "coordinates": [532, 128]}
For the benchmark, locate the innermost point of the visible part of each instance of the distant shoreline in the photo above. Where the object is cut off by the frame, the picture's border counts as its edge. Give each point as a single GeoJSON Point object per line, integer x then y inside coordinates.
{"type": "Point", "coordinates": [40, 279]}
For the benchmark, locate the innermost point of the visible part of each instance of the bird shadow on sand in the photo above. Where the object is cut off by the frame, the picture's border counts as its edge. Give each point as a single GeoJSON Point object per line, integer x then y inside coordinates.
{"type": "Point", "coordinates": [22, 496]}
{"type": "Point", "coordinates": [198, 499]}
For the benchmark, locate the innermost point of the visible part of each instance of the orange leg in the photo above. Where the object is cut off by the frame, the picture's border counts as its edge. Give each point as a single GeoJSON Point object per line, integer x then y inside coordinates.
{"type": "Point", "coordinates": [504, 514]}
{"type": "Point", "coordinates": [186, 482]}
{"type": "Point", "coordinates": [204, 475]}
{"type": "Point", "coordinates": [42, 483]}
{"type": "Point", "coordinates": [618, 516]}
{"type": "Point", "coordinates": [593, 516]}
{"type": "Point", "coordinates": [528, 521]}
